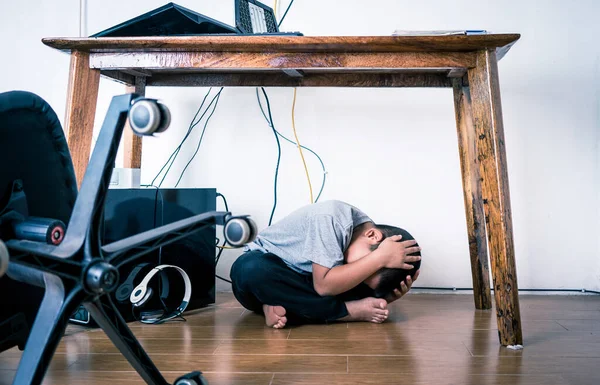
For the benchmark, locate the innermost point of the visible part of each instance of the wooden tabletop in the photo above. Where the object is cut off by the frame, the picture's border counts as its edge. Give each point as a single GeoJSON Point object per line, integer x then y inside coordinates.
{"type": "Point", "coordinates": [334, 44]}
{"type": "Point", "coordinates": [349, 61]}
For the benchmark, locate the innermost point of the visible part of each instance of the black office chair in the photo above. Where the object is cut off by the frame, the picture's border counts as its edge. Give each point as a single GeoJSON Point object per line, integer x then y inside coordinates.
{"type": "Point", "coordinates": [38, 195]}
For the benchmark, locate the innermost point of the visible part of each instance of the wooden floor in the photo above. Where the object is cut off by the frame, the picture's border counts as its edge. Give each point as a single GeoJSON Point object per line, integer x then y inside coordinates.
{"type": "Point", "coordinates": [429, 339]}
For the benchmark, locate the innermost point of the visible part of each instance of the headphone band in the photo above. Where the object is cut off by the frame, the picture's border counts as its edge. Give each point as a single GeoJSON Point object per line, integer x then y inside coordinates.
{"type": "Point", "coordinates": [138, 295]}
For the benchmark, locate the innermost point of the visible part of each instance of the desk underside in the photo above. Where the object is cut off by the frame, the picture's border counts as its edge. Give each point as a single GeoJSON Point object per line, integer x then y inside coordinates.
{"type": "Point", "coordinates": [287, 61]}
{"type": "Point", "coordinates": [435, 78]}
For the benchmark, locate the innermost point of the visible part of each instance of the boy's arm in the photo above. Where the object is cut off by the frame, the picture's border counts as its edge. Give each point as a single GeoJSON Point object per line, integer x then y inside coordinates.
{"type": "Point", "coordinates": [339, 279]}
{"type": "Point", "coordinates": [342, 278]}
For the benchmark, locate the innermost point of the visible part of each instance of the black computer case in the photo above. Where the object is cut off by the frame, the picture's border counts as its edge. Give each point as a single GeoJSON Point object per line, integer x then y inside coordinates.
{"type": "Point", "coordinates": [131, 211]}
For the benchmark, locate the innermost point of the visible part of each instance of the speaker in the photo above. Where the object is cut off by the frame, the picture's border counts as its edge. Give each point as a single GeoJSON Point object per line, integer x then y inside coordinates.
{"type": "Point", "coordinates": [131, 211]}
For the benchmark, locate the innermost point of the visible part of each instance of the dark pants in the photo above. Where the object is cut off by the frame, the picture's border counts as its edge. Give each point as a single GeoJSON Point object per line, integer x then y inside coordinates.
{"type": "Point", "coordinates": [263, 278]}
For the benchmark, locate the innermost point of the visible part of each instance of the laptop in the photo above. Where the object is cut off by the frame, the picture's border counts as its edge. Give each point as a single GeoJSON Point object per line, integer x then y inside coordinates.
{"type": "Point", "coordinates": [169, 20]}
{"type": "Point", "coordinates": [255, 18]}
{"type": "Point", "coordinates": [252, 18]}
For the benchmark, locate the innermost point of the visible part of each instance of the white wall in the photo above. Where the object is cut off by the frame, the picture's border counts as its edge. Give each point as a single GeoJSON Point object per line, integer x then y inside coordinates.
{"type": "Point", "coordinates": [391, 152]}
{"type": "Point", "coordinates": [27, 64]}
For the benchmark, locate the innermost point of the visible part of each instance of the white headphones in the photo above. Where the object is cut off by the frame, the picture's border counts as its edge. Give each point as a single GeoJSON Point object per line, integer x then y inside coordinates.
{"type": "Point", "coordinates": [142, 293]}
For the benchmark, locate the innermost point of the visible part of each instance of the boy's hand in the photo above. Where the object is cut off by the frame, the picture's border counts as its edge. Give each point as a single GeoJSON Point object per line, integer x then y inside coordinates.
{"type": "Point", "coordinates": [394, 253]}
{"type": "Point", "coordinates": [404, 288]}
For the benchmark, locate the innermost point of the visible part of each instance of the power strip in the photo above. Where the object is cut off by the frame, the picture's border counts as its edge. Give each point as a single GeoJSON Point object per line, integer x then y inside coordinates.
{"type": "Point", "coordinates": [125, 178]}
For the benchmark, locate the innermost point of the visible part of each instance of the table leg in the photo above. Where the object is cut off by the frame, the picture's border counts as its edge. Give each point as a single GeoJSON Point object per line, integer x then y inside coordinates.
{"type": "Point", "coordinates": [132, 144]}
{"type": "Point", "coordinates": [467, 146]}
{"type": "Point", "coordinates": [81, 109]}
{"type": "Point", "coordinates": [487, 118]}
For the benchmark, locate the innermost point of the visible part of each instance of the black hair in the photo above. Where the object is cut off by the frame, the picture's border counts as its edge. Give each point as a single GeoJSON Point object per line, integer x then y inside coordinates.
{"type": "Point", "coordinates": [390, 279]}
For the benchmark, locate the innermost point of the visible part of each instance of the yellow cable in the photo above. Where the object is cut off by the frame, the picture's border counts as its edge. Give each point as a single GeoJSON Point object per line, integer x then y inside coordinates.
{"type": "Point", "coordinates": [275, 8]}
{"type": "Point", "coordinates": [300, 148]}
{"type": "Point", "coordinates": [225, 247]}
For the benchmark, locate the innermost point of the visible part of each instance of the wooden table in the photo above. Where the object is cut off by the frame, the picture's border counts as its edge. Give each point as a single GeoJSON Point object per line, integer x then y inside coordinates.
{"type": "Point", "coordinates": [468, 64]}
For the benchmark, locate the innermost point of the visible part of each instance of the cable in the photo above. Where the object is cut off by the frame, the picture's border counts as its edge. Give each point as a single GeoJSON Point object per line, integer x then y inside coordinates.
{"type": "Point", "coordinates": [222, 279]}
{"type": "Point", "coordinates": [218, 255]}
{"type": "Point", "coordinates": [294, 143]}
{"type": "Point", "coordinates": [278, 155]}
{"type": "Point", "coordinates": [202, 135]}
{"type": "Point", "coordinates": [221, 248]}
{"type": "Point", "coordinates": [175, 153]}
{"type": "Point", "coordinates": [189, 131]}
{"type": "Point", "coordinates": [183, 140]}
{"type": "Point", "coordinates": [224, 201]}
{"type": "Point", "coordinates": [159, 320]}
{"type": "Point", "coordinates": [162, 216]}
{"type": "Point", "coordinates": [162, 213]}
{"type": "Point", "coordinates": [300, 147]}
{"type": "Point", "coordinates": [164, 305]}
{"type": "Point", "coordinates": [285, 13]}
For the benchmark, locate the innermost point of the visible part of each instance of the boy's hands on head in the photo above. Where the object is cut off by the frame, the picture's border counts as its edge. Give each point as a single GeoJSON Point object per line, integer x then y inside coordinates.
{"type": "Point", "coordinates": [391, 254]}
{"type": "Point", "coordinates": [395, 254]}
{"type": "Point", "coordinates": [404, 288]}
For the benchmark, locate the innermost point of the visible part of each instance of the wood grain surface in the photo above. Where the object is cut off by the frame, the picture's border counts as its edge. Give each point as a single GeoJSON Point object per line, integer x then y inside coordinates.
{"type": "Point", "coordinates": [333, 44]}
{"type": "Point", "coordinates": [132, 143]}
{"type": "Point", "coordinates": [81, 110]}
{"type": "Point", "coordinates": [432, 80]}
{"type": "Point", "coordinates": [487, 119]}
{"type": "Point", "coordinates": [173, 60]}
{"type": "Point", "coordinates": [418, 345]}
{"type": "Point", "coordinates": [469, 164]}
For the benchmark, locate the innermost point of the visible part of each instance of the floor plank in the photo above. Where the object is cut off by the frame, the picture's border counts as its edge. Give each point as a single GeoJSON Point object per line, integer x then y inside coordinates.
{"type": "Point", "coordinates": [426, 379]}
{"type": "Point", "coordinates": [429, 339]}
{"type": "Point", "coordinates": [84, 345]}
{"type": "Point", "coordinates": [339, 347]}
{"type": "Point", "coordinates": [592, 326]}
{"type": "Point", "coordinates": [131, 378]}
{"type": "Point", "coordinates": [474, 365]}
{"type": "Point", "coordinates": [186, 331]}
{"type": "Point", "coordinates": [542, 345]}
{"type": "Point", "coordinates": [223, 364]}
{"type": "Point", "coordinates": [9, 360]}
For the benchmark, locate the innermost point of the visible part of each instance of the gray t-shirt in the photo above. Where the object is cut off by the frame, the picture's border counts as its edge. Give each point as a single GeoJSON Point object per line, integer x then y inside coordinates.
{"type": "Point", "coordinates": [318, 233]}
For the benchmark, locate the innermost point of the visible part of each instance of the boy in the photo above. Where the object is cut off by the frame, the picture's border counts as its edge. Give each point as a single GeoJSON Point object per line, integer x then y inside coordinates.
{"type": "Point", "coordinates": [323, 263]}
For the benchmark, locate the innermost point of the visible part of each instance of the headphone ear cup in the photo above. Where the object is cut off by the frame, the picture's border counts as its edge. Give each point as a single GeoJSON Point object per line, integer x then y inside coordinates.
{"type": "Point", "coordinates": [123, 292]}
{"type": "Point", "coordinates": [145, 298]}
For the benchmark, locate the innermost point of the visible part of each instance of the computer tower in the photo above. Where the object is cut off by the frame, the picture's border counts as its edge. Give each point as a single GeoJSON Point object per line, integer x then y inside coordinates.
{"type": "Point", "coordinates": [131, 211]}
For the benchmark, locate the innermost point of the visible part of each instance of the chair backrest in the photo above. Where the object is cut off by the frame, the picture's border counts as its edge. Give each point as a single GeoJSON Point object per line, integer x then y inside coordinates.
{"type": "Point", "coordinates": [32, 148]}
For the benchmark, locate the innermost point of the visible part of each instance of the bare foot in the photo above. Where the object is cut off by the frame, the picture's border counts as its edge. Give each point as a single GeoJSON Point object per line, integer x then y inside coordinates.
{"type": "Point", "coordinates": [367, 309]}
{"type": "Point", "coordinates": [275, 316]}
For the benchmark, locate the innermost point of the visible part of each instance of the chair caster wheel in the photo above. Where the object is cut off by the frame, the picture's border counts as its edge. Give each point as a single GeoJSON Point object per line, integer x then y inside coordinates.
{"type": "Point", "coordinates": [147, 116]}
{"type": "Point", "coordinates": [4, 256]}
{"type": "Point", "coordinates": [239, 231]}
{"type": "Point", "coordinates": [193, 378]}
